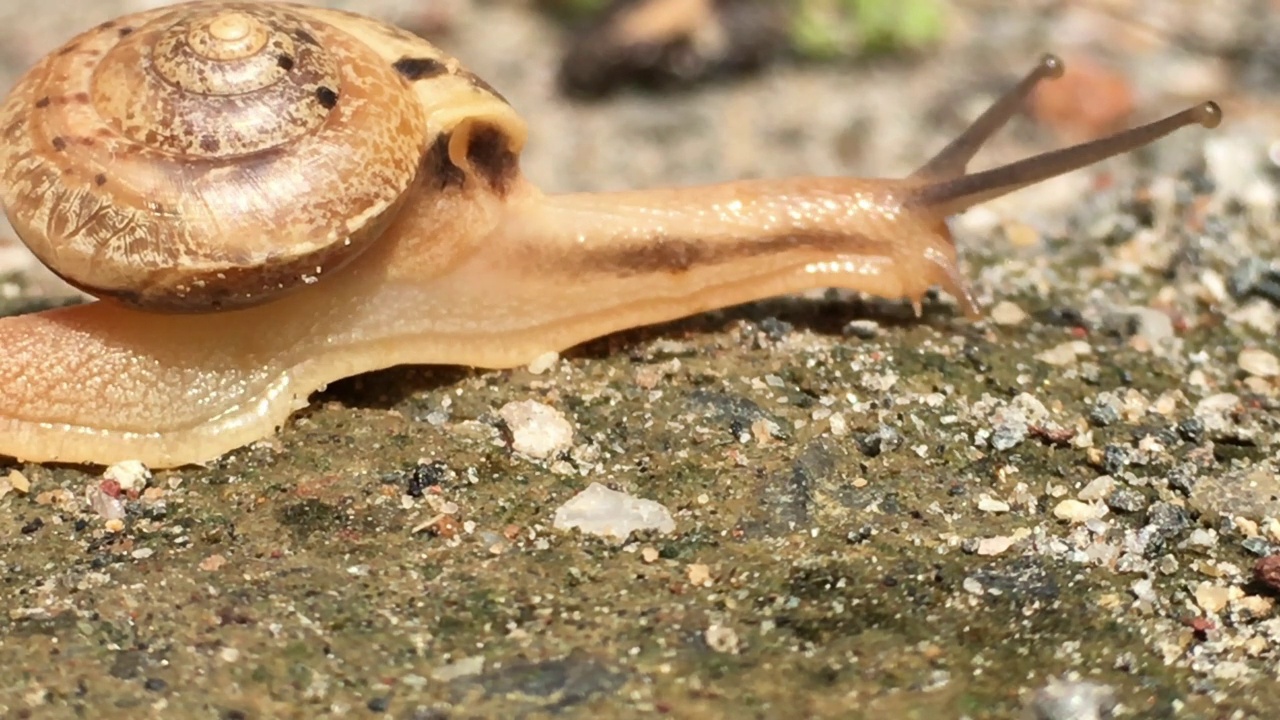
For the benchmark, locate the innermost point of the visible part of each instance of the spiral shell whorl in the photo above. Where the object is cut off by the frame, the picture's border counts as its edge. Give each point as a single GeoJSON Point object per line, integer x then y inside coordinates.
{"type": "Point", "coordinates": [256, 78]}
{"type": "Point", "coordinates": [207, 155]}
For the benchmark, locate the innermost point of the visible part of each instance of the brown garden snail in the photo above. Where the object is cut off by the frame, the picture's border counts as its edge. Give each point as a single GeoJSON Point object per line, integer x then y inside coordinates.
{"type": "Point", "coordinates": [271, 197]}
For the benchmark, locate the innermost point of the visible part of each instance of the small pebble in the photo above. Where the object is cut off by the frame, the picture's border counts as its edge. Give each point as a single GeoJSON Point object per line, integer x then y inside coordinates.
{"type": "Point", "coordinates": [862, 329]}
{"type": "Point", "coordinates": [1257, 546]}
{"type": "Point", "coordinates": [1267, 571]}
{"type": "Point", "coordinates": [995, 545]}
{"type": "Point", "coordinates": [213, 563]}
{"type": "Point", "coordinates": [1104, 411]}
{"type": "Point", "coordinates": [1153, 328]}
{"type": "Point", "coordinates": [1009, 434]}
{"type": "Point", "coordinates": [543, 362]}
{"type": "Point", "coordinates": [1007, 313]}
{"type": "Point", "coordinates": [722, 639]}
{"type": "Point", "coordinates": [465, 667]}
{"type": "Point", "coordinates": [1074, 701]}
{"type": "Point", "coordinates": [1064, 353]}
{"type": "Point", "coordinates": [699, 574]}
{"type": "Point", "coordinates": [608, 513]}
{"type": "Point", "coordinates": [1258, 363]}
{"type": "Point", "coordinates": [1126, 500]}
{"type": "Point", "coordinates": [1191, 430]}
{"type": "Point", "coordinates": [986, 503]}
{"type": "Point", "coordinates": [1214, 412]}
{"type": "Point", "coordinates": [131, 474]}
{"type": "Point", "coordinates": [1202, 537]}
{"type": "Point", "coordinates": [108, 506]}
{"type": "Point", "coordinates": [1213, 598]}
{"type": "Point", "coordinates": [19, 482]}
{"type": "Point", "coordinates": [1255, 277]}
{"type": "Point", "coordinates": [1100, 488]}
{"type": "Point", "coordinates": [885, 438]}
{"type": "Point", "coordinates": [1021, 234]}
{"type": "Point", "coordinates": [537, 430]}
{"type": "Point", "coordinates": [1144, 590]}
{"type": "Point", "coordinates": [1078, 512]}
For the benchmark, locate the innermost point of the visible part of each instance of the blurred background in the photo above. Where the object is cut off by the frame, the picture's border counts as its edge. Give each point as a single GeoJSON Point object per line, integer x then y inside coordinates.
{"type": "Point", "coordinates": [648, 92]}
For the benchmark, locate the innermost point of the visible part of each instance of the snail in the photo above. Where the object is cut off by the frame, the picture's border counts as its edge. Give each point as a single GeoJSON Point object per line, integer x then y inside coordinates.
{"type": "Point", "coordinates": [266, 198]}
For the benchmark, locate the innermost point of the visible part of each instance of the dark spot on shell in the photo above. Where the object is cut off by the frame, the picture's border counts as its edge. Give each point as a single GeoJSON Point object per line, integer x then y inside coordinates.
{"type": "Point", "coordinates": [107, 25]}
{"type": "Point", "coordinates": [419, 68]}
{"type": "Point", "coordinates": [437, 169]}
{"type": "Point", "coordinates": [306, 37]}
{"type": "Point", "coordinates": [285, 62]}
{"type": "Point", "coordinates": [58, 144]}
{"type": "Point", "coordinates": [209, 143]}
{"type": "Point", "coordinates": [69, 49]}
{"type": "Point", "coordinates": [124, 31]}
{"type": "Point", "coordinates": [326, 97]}
{"type": "Point", "coordinates": [85, 141]}
{"type": "Point", "coordinates": [491, 157]}
{"type": "Point", "coordinates": [43, 102]}
{"type": "Point", "coordinates": [100, 179]}
{"type": "Point", "coordinates": [81, 97]}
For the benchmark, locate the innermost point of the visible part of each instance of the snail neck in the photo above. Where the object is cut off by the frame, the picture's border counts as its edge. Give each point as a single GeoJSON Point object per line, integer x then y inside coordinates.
{"type": "Point", "coordinates": [556, 270]}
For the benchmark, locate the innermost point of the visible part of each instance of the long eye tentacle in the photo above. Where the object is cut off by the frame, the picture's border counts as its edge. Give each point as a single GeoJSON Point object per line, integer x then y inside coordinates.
{"type": "Point", "coordinates": [944, 187]}
{"type": "Point", "coordinates": [952, 160]}
{"type": "Point", "coordinates": [950, 196]}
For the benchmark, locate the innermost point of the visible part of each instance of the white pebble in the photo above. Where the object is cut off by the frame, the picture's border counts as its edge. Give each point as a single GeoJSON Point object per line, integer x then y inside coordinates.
{"type": "Point", "coordinates": [130, 474]}
{"type": "Point", "coordinates": [1258, 363]}
{"type": "Point", "coordinates": [537, 430]}
{"type": "Point", "coordinates": [995, 545]}
{"type": "Point", "coordinates": [1214, 598]}
{"type": "Point", "coordinates": [1100, 488]}
{"type": "Point", "coordinates": [722, 639]}
{"type": "Point", "coordinates": [543, 362]}
{"type": "Point", "coordinates": [839, 426]}
{"type": "Point", "coordinates": [108, 507]}
{"type": "Point", "coordinates": [465, 667]}
{"type": "Point", "coordinates": [1144, 590]}
{"type": "Point", "coordinates": [1215, 411]}
{"type": "Point", "coordinates": [1074, 701]}
{"type": "Point", "coordinates": [1202, 537]}
{"type": "Point", "coordinates": [1078, 512]}
{"type": "Point", "coordinates": [986, 503]}
{"type": "Point", "coordinates": [1065, 353]}
{"type": "Point", "coordinates": [1007, 313]}
{"type": "Point", "coordinates": [608, 513]}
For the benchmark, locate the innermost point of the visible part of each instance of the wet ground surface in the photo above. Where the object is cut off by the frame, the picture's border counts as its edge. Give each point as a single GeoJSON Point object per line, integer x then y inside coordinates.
{"type": "Point", "coordinates": [875, 516]}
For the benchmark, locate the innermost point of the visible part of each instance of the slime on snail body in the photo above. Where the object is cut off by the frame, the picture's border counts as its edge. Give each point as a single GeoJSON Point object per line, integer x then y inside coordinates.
{"type": "Point", "coordinates": [270, 197]}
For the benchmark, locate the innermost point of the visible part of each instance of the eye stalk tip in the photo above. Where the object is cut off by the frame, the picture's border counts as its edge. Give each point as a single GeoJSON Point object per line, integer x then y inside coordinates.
{"type": "Point", "coordinates": [1051, 66]}
{"type": "Point", "coordinates": [1208, 114]}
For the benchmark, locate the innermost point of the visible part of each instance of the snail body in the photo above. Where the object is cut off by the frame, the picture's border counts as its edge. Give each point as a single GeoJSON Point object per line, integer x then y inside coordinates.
{"type": "Point", "coordinates": [366, 210]}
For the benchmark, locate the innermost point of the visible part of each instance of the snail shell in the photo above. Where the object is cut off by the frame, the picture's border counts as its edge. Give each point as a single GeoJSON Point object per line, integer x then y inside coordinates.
{"type": "Point", "coordinates": [214, 155]}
